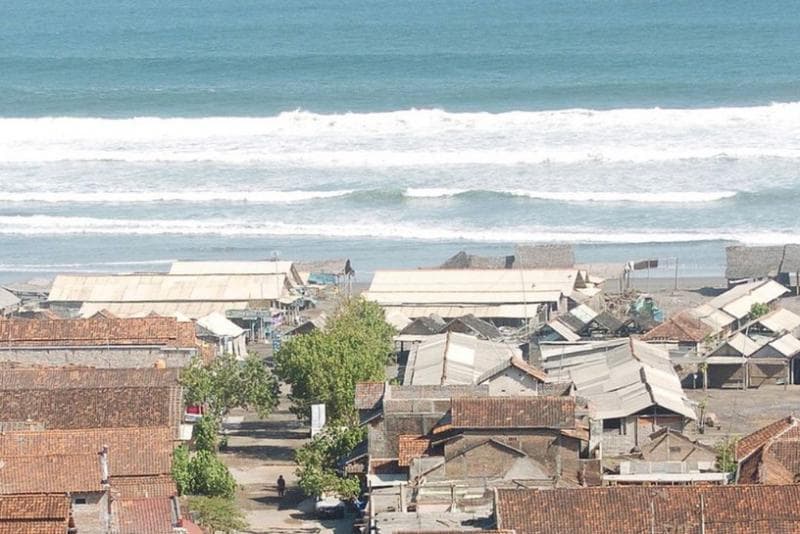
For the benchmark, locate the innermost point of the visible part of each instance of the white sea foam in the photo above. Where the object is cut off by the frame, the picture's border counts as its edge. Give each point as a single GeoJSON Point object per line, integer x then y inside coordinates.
{"type": "Point", "coordinates": [56, 225]}
{"type": "Point", "coordinates": [588, 196]}
{"type": "Point", "coordinates": [124, 197]}
{"type": "Point", "coordinates": [415, 138]}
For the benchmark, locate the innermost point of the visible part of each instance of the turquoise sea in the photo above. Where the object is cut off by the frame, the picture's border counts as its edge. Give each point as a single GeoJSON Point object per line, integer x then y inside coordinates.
{"type": "Point", "coordinates": [394, 133]}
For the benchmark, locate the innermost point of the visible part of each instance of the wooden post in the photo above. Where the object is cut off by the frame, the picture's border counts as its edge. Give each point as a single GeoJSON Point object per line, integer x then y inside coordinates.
{"type": "Point", "coordinates": [676, 274]}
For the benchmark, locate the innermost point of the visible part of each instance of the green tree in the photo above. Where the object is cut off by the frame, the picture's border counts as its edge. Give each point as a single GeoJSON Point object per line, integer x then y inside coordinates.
{"type": "Point", "coordinates": [325, 366]}
{"type": "Point", "coordinates": [227, 383]}
{"type": "Point", "coordinates": [758, 310]}
{"type": "Point", "coordinates": [726, 454]}
{"type": "Point", "coordinates": [180, 469]}
{"type": "Point", "coordinates": [205, 434]}
{"type": "Point", "coordinates": [317, 461]}
{"type": "Point", "coordinates": [218, 514]}
{"type": "Point", "coordinates": [209, 476]}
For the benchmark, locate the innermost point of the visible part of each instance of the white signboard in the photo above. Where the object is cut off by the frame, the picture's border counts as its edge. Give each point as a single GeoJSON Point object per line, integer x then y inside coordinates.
{"type": "Point", "coordinates": [317, 418]}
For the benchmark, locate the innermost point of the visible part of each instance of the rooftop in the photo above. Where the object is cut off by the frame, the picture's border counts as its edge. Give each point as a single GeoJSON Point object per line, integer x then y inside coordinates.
{"type": "Point", "coordinates": [513, 412]}
{"type": "Point", "coordinates": [34, 514]}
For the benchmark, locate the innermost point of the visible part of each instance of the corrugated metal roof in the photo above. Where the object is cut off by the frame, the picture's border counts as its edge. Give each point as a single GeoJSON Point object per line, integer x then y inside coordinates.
{"type": "Point", "coordinates": [743, 344]}
{"type": "Point", "coordinates": [563, 330]}
{"type": "Point", "coordinates": [629, 378]}
{"type": "Point", "coordinates": [716, 319]}
{"type": "Point", "coordinates": [787, 345]}
{"type": "Point", "coordinates": [512, 311]}
{"type": "Point", "coordinates": [472, 286]}
{"type": "Point", "coordinates": [195, 310]}
{"type": "Point", "coordinates": [781, 320]}
{"type": "Point", "coordinates": [454, 358]}
{"type": "Point", "coordinates": [164, 288]}
{"type": "Point", "coordinates": [238, 267]}
{"type": "Point", "coordinates": [764, 294]}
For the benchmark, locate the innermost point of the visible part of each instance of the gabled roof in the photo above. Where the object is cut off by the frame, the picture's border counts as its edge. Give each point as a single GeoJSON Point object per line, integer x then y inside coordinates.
{"type": "Point", "coordinates": [97, 331]}
{"type": "Point", "coordinates": [780, 320]}
{"type": "Point", "coordinates": [777, 429]}
{"type": "Point", "coordinates": [219, 325]}
{"type": "Point", "coordinates": [473, 325]}
{"type": "Point", "coordinates": [369, 395]}
{"type": "Point", "coordinates": [67, 398]}
{"type": "Point", "coordinates": [517, 363]}
{"type": "Point", "coordinates": [628, 378]}
{"type": "Point", "coordinates": [513, 412]}
{"type": "Point", "coordinates": [7, 299]}
{"type": "Point", "coordinates": [424, 326]}
{"type": "Point", "coordinates": [52, 473]}
{"type": "Point", "coordinates": [238, 267]}
{"type": "Point", "coordinates": [154, 515]}
{"type": "Point", "coordinates": [726, 509]}
{"type": "Point", "coordinates": [454, 358]}
{"type": "Point", "coordinates": [410, 447]}
{"type": "Point", "coordinates": [34, 514]}
{"type": "Point", "coordinates": [608, 322]}
{"type": "Point", "coordinates": [684, 327]}
{"type": "Point", "coordinates": [132, 451]}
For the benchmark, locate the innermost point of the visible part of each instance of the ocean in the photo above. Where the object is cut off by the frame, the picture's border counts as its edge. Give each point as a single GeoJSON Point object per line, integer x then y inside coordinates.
{"type": "Point", "coordinates": [394, 133]}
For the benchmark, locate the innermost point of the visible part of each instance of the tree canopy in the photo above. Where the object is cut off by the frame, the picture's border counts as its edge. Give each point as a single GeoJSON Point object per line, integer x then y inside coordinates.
{"type": "Point", "coordinates": [318, 459]}
{"type": "Point", "coordinates": [228, 383]}
{"type": "Point", "coordinates": [325, 365]}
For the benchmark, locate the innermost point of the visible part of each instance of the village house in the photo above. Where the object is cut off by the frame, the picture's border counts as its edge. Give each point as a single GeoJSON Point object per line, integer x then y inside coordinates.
{"type": "Point", "coordinates": [774, 262]}
{"type": "Point", "coordinates": [36, 514]}
{"type": "Point", "coordinates": [549, 256]}
{"type": "Point", "coordinates": [205, 267]}
{"type": "Point", "coordinates": [69, 398]}
{"type": "Point", "coordinates": [582, 322]}
{"type": "Point", "coordinates": [225, 336]}
{"type": "Point", "coordinates": [92, 466]}
{"type": "Point", "coordinates": [483, 443]}
{"type": "Point", "coordinates": [713, 509]}
{"type": "Point", "coordinates": [770, 455]}
{"type": "Point", "coordinates": [102, 341]}
{"type": "Point", "coordinates": [511, 297]}
{"type": "Point", "coordinates": [632, 390]}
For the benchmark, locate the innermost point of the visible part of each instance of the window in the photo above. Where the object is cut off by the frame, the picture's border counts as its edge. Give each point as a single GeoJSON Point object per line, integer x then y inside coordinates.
{"type": "Point", "coordinates": [79, 500]}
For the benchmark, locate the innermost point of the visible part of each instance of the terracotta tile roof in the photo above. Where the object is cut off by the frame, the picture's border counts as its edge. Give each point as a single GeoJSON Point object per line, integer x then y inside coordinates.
{"type": "Point", "coordinates": [141, 487]}
{"type": "Point", "coordinates": [64, 398]}
{"type": "Point", "coordinates": [98, 330]}
{"type": "Point", "coordinates": [752, 442]}
{"type": "Point", "coordinates": [684, 327]}
{"type": "Point", "coordinates": [34, 514]}
{"type": "Point", "coordinates": [453, 531]}
{"type": "Point", "coordinates": [143, 516]}
{"type": "Point", "coordinates": [513, 412]}
{"type": "Point", "coordinates": [410, 447]}
{"type": "Point", "coordinates": [369, 395]}
{"type": "Point", "coordinates": [637, 509]}
{"type": "Point", "coordinates": [84, 377]}
{"type": "Point", "coordinates": [53, 473]}
{"type": "Point", "coordinates": [518, 363]}
{"type": "Point", "coordinates": [132, 451]}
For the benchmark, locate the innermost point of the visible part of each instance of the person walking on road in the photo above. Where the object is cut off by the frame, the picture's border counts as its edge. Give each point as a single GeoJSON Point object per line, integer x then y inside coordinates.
{"type": "Point", "coordinates": [281, 486]}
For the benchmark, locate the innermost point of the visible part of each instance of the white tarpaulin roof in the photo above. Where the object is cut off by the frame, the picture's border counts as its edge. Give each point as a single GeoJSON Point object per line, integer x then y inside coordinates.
{"type": "Point", "coordinates": [221, 326]}
{"type": "Point", "coordinates": [7, 299]}
{"type": "Point", "coordinates": [781, 320]}
{"type": "Point", "coordinates": [738, 300]}
{"type": "Point", "coordinates": [237, 267]}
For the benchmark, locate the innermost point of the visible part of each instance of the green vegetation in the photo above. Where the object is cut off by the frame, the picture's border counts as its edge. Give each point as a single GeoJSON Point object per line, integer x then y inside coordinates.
{"type": "Point", "coordinates": [227, 383]}
{"type": "Point", "coordinates": [726, 454]}
{"type": "Point", "coordinates": [201, 473]}
{"type": "Point", "coordinates": [205, 435]}
{"type": "Point", "coordinates": [218, 514]}
{"type": "Point", "coordinates": [325, 366]}
{"type": "Point", "coordinates": [758, 310]}
{"type": "Point", "coordinates": [318, 458]}
{"type": "Point", "coordinates": [180, 469]}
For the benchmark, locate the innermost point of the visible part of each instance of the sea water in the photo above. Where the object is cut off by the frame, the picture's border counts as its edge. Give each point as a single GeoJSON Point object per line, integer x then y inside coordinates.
{"type": "Point", "coordinates": [394, 133]}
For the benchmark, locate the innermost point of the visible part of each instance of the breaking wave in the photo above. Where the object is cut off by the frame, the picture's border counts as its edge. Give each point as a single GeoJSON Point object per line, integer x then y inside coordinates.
{"type": "Point", "coordinates": [55, 225]}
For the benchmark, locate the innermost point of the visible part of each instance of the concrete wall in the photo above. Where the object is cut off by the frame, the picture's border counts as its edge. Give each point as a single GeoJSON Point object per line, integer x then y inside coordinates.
{"type": "Point", "coordinates": [115, 357]}
{"type": "Point", "coordinates": [90, 517]}
{"type": "Point", "coordinates": [635, 431]}
{"type": "Point", "coordinates": [513, 382]}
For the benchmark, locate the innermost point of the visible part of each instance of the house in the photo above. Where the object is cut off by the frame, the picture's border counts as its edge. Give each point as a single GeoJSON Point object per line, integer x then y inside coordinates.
{"type": "Point", "coordinates": [502, 296]}
{"type": "Point", "coordinates": [192, 295]}
{"type": "Point", "coordinates": [91, 466]}
{"type": "Point", "coordinates": [668, 445]}
{"type": "Point", "coordinates": [776, 262]}
{"type": "Point", "coordinates": [718, 509]}
{"type": "Point", "coordinates": [36, 514]}
{"type": "Point", "coordinates": [515, 376]}
{"type": "Point", "coordinates": [770, 455]}
{"type": "Point", "coordinates": [633, 390]}
{"type": "Point", "coordinates": [424, 326]}
{"type": "Point", "coordinates": [224, 335]}
{"type": "Point", "coordinates": [308, 325]}
{"type": "Point", "coordinates": [68, 398]}
{"type": "Point", "coordinates": [492, 442]}
{"type": "Point", "coordinates": [469, 324]}
{"type": "Point", "coordinates": [583, 322]}
{"type": "Point", "coordinates": [146, 505]}
{"type": "Point", "coordinates": [454, 358]}
{"type": "Point", "coordinates": [101, 342]}
{"type": "Point", "coordinates": [9, 303]}
{"type": "Point", "coordinates": [546, 256]}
